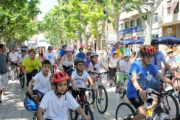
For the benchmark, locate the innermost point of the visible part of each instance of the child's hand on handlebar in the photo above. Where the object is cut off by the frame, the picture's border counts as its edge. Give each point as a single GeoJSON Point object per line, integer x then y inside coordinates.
{"type": "Point", "coordinates": [176, 86]}
{"type": "Point", "coordinates": [143, 95]}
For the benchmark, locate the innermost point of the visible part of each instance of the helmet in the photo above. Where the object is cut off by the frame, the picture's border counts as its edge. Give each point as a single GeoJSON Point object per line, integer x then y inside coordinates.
{"type": "Point", "coordinates": [78, 60]}
{"type": "Point", "coordinates": [29, 105]}
{"type": "Point", "coordinates": [154, 42]}
{"type": "Point", "coordinates": [126, 55]}
{"type": "Point", "coordinates": [169, 51]}
{"type": "Point", "coordinates": [147, 51]}
{"type": "Point", "coordinates": [94, 54]}
{"type": "Point", "coordinates": [115, 52]}
{"type": "Point", "coordinates": [58, 77]}
{"type": "Point", "coordinates": [89, 52]}
{"type": "Point", "coordinates": [64, 45]}
{"type": "Point", "coordinates": [24, 48]}
{"type": "Point", "coordinates": [69, 48]}
{"type": "Point", "coordinates": [13, 48]}
{"type": "Point", "coordinates": [32, 50]}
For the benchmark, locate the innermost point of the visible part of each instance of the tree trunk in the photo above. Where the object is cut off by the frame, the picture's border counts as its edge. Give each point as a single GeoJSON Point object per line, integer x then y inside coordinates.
{"type": "Point", "coordinates": [116, 27]}
{"type": "Point", "coordinates": [79, 40]}
{"type": "Point", "coordinates": [85, 37]}
{"type": "Point", "coordinates": [147, 25]}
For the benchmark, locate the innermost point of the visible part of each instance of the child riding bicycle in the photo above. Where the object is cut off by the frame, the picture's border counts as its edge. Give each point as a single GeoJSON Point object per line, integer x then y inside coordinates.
{"type": "Point", "coordinates": [79, 77]}
{"type": "Point", "coordinates": [140, 78]}
{"type": "Point", "coordinates": [57, 101]}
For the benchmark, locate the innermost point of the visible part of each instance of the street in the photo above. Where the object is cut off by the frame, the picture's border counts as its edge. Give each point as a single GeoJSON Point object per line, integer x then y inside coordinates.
{"type": "Point", "coordinates": [12, 106]}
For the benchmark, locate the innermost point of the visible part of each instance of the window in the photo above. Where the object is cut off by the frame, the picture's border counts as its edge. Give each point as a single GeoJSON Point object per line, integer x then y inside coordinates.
{"type": "Point", "coordinates": [139, 22]}
{"type": "Point", "coordinates": [155, 18]}
{"type": "Point", "coordinates": [132, 23]}
{"type": "Point", "coordinates": [121, 27]}
{"type": "Point", "coordinates": [176, 10]}
{"type": "Point", "coordinates": [42, 41]}
{"type": "Point", "coordinates": [127, 24]}
{"type": "Point", "coordinates": [168, 10]}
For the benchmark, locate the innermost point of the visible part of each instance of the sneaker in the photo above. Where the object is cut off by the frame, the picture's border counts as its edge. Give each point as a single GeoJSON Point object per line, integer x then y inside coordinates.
{"type": "Point", "coordinates": [116, 90]}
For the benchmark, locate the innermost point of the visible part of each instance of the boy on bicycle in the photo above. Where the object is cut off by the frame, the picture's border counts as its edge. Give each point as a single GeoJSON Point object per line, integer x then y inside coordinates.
{"type": "Point", "coordinates": [79, 77]}
{"type": "Point", "coordinates": [141, 77]}
{"type": "Point", "coordinates": [57, 101]}
{"type": "Point", "coordinates": [41, 81]}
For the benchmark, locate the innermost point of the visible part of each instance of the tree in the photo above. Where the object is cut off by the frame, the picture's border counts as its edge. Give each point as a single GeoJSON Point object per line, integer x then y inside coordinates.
{"type": "Point", "coordinates": [146, 18]}
{"type": "Point", "coordinates": [114, 8]}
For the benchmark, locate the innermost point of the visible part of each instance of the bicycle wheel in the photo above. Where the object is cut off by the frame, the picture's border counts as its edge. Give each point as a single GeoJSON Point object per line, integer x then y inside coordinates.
{"type": "Point", "coordinates": [124, 111]}
{"type": "Point", "coordinates": [73, 114]}
{"type": "Point", "coordinates": [171, 105]}
{"type": "Point", "coordinates": [101, 100]}
{"type": "Point", "coordinates": [90, 96]}
{"type": "Point", "coordinates": [89, 112]}
{"type": "Point", "coordinates": [121, 91]}
{"type": "Point", "coordinates": [22, 81]}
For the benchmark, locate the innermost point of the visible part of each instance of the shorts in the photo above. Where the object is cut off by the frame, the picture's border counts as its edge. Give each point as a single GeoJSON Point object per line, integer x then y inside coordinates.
{"type": "Point", "coordinates": [30, 75]}
{"type": "Point", "coordinates": [4, 81]}
{"type": "Point", "coordinates": [14, 63]}
{"type": "Point", "coordinates": [75, 93]}
{"type": "Point", "coordinates": [37, 92]}
{"type": "Point", "coordinates": [136, 102]}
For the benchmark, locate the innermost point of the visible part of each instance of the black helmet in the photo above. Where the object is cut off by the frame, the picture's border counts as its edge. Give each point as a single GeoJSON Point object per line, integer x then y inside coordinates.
{"type": "Point", "coordinates": [78, 60]}
{"type": "Point", "coordinates": [24, 48]}
{"type": "Point", "coordinates": [154, 42]}
{"type": "Point", "coordinates": [64, 45]}
{"type": "Point", "coordinates": [89, 52]}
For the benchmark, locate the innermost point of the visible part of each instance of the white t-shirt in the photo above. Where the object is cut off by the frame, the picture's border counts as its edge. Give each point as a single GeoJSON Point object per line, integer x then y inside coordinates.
{"type": "Point", "coordinates": [13, 56]}
{"type": "Point", "coordinates": [125, 65]}
{"type": "Point", "coordinates": [22, 58]}
{"type": "Point", "coordinates": [79, 81]}
{"type": "Point", "coordinates": [113, 62]}
{"type": "Point", "coordinates": [50, 57]}
{"type": "Point", "coordinates": [97, 66]}
{"type": "Point", "coordinates": [42, 83]}
{"type": "Point", "coordinates": [56, 108]}
{"type": "Point", "coordinates": [171, 61]}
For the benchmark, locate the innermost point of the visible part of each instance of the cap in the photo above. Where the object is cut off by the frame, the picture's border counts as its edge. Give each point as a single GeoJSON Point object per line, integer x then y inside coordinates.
{"type": "Point", "coordinates": [154, 42]}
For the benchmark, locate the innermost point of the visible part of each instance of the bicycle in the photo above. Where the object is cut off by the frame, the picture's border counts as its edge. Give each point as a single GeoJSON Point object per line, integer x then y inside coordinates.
{"type": "Point", "coordinates": [84, 105]}
{"type": "Point", "coordinates": [22, 80]}
{"type": "Point", "coordinates": [111, 77]}
{"type": "Point", "coordinates": [122, 89]}
{"type": "Point", "coordinates": [161, 109]}
{"type": "Point", "coordinates": [13, 71]}
{"type": "Point", "coordinates": [100, 99]}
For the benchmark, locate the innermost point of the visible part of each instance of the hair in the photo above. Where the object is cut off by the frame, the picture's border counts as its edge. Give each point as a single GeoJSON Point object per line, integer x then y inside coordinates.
{"type": "Point", "coordinates": [1, 45]}
{"type": "Point", "coordinates": [126, 46]}
{"type": "Point", "coordinates": [46, 62]}
{"type": "Point", "coordinates": [93, 62]}
{"type": "Point", "coordinates": [80, 48]}
{"type": "Point", "coordinates": [114, 54]}
{"type": "Point", "coordinates": [50, 47]}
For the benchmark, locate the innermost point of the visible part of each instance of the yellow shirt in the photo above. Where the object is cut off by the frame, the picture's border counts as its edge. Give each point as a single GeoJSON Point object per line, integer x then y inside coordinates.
{"type": "Point", "coordinates": [119, 52]}
{"type": "Point", "coordinates": [31, 65]}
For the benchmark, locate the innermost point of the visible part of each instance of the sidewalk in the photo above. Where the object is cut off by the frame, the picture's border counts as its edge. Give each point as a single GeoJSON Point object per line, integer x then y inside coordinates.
{"type": "Point", "coordinates": [12, 107]}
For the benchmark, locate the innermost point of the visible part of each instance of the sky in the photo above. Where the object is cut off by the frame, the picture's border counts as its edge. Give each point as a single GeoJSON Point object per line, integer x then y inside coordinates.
{"type": "Point", "coordinates": [45, 6]}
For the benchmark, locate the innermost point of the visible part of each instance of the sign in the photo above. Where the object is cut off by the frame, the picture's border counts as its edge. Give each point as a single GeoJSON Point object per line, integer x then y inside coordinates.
{"type": "Point", "coordinates": [130, 30]}
{"type": "Point", "coordinates": [169, 30]}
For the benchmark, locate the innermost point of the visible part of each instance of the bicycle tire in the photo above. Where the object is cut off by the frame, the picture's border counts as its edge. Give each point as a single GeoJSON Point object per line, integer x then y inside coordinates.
{"type": "Point", "coordinates": [75, 117]}
{"type": "Point", "coordinates": [91, 94]}
{"type": "Point", "coordinates": [97, 99]}
{"type": "Point", "coordinates": [170, 105]}
{"type": "Point", "coordinates": [121, 92]}
{"type": "Point", "coordinates": [126, 117]}
{"type": "Point", "coordinates": [22, 81]}
{"type": "Point", "coordinates": [88, 109]}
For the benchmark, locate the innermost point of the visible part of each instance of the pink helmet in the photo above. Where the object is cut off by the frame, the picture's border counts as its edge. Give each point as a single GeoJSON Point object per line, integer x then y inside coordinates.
{"type": "Point", "coordinates": [115, 52]}
{"type": "Point", "coordinates": [94, 54]}
{"type": "Point", "coordinates": [69, 48]}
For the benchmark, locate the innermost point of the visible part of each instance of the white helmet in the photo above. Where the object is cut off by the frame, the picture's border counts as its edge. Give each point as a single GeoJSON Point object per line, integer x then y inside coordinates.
{"type": "Point", "coordinates": [94, 54]}
{"type": "Point", "coordinates": [69, 48]}
{"type": "Point", "coordinates": [126, 55]}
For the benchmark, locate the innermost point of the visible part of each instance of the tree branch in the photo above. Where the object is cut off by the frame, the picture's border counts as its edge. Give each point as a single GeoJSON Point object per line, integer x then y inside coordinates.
{"type": "Point", "coordinates": [157, 5]}
{"type": "Point", "coordinates": [139, 11]}
{"type": "Point", "coordinates": [110, 13]}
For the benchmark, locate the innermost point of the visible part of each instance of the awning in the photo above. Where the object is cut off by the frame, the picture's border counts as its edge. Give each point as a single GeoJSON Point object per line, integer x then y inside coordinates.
{"type": "Point", "coordinates": [173, 6]}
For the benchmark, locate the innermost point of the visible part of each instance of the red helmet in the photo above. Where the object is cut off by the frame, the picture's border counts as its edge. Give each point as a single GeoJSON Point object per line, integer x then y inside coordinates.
{"type": "Point", "coordinates": [148, 51]}
{"type": "Point", "coordinates": [58, 77]}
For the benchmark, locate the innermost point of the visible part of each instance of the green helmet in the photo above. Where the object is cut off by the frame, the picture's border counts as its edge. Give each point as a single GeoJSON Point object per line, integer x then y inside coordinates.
{"type": "Point", "coordinates": [78, 60]}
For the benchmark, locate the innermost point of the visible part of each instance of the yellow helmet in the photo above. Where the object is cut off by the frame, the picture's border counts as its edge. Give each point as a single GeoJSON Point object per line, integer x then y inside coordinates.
{"type": "Point", "coordinates": [34, 50]}
{"type": "Point", "coordinates": [169, 51]}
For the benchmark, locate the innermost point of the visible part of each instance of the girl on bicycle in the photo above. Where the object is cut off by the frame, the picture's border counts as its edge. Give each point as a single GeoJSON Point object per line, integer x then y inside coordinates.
{"type": "Point", "coordinates": [95, 66]}
{"type": "Point", "coordinates": [87, 60]}
{"type": "Point", "coordinates": [67, 61]}
{"type": "Point", "coordinates": [57, 101]}
{"type": "Point", "coordinates": [140, 78]}
{"type": "Point", "coordinates": [79, 77]}
{"type": "Point", "coordinates": [112, 64]}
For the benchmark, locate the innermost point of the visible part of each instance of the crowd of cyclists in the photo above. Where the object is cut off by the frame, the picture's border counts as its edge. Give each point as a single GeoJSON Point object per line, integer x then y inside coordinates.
{"type": "Point", "coordinates": [144, 67]}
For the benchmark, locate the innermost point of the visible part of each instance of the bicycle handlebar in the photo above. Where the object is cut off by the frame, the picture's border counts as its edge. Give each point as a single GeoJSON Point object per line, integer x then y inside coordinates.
{"type": "Point", "coordinates": [94, 73]}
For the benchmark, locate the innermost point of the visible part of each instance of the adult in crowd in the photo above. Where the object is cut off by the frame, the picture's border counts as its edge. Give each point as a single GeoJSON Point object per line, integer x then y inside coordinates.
{"type": "Point", "coordinates": [118, 50]}
{"type": "Point", "coordinates": [4, 69]}
{"type": "Point", "coordinates": [14, 57]}
{"type": "Point", "coordinates": [137, 51]}
{"type": "Point", "coordinates": [170, 59]}
{"type": "Point", "coordinates": [62, 52]}
{"type": "Point", "coordinates": [41, 56]}
{"type": "Point", "coordinates": [127, 50]}
{"type": "Point", "coordinates": [81, 54]}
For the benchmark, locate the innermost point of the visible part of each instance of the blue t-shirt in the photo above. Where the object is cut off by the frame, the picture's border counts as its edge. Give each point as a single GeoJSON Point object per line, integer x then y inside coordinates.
{"type": "Point", "coordinates": [158, 58]}
{"type": "Point", "coordinates": [61, 52]}
{"type": "Point", "coordinates": [81, 55]}
{"type": "Point", "coordinates": [144, 76]}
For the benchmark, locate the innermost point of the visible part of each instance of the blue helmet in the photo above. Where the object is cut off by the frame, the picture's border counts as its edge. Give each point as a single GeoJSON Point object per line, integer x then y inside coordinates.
{"type": "Point", "coordinates": [29, 105]}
